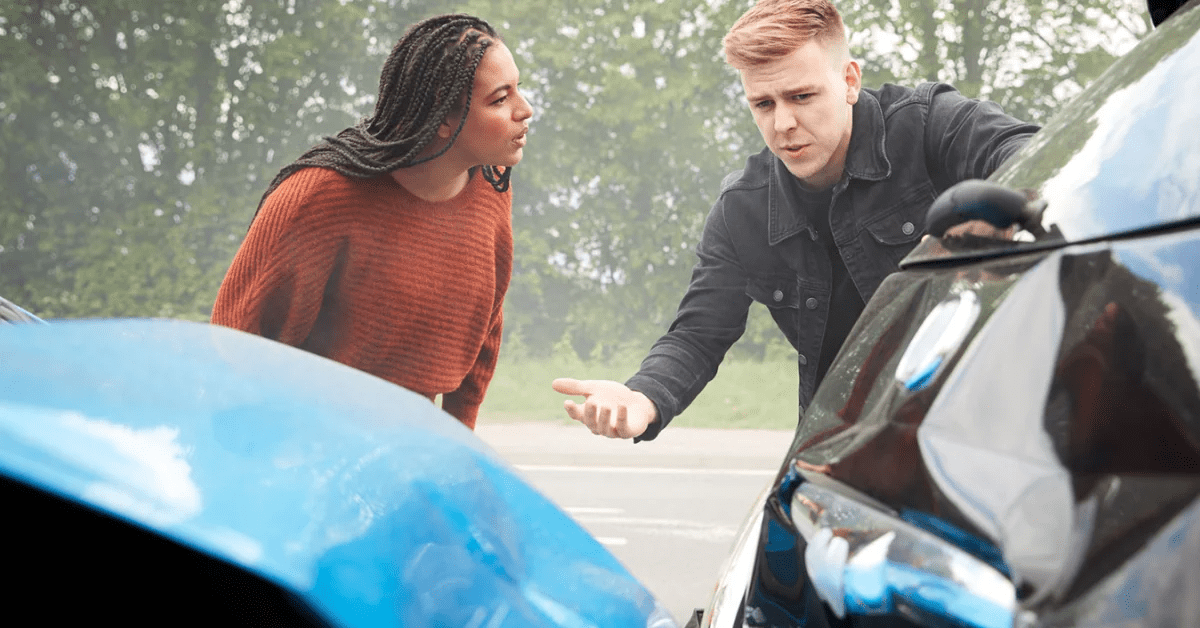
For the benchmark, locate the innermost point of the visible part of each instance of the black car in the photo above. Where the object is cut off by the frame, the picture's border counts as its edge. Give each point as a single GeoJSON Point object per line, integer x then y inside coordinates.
{"type": "Point", "coordinates": [1011, 435]}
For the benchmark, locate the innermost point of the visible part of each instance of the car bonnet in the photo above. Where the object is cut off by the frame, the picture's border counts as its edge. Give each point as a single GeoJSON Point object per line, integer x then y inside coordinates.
{"type": "Point", "coordinates": [361, 497]}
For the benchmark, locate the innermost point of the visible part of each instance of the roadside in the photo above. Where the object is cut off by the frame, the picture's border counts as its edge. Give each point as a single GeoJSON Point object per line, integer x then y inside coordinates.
{"type": "Point", "coordinates": [746, 394]}
{"type": "Point", "coordinates": [668, 509]}
{"type": "Point", "coordinates": [569, 443]}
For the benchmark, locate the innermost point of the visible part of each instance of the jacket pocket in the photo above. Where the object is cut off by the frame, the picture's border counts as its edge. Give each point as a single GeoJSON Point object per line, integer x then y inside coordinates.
{"type": "Point", "coordinates": [781, 295]}
{"type": "Point", "coordinates": [776, 291]}
{"type": "Point", "coordinates": [904, 222]}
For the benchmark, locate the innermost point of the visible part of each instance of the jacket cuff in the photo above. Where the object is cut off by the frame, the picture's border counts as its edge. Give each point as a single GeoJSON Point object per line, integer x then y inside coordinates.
{"type": "Point", "coordinates": [663, 404]}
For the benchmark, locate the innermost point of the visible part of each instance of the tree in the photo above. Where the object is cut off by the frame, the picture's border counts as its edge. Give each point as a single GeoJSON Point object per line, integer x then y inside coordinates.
{"type": "Point", "coordinates": [1031, 57]}
{"type": "Point", "coordinates": [138, 137]}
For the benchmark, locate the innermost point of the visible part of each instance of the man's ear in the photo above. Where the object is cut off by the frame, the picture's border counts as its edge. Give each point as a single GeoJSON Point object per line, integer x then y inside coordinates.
{"type": "Point", "coordinates": [853, 76]}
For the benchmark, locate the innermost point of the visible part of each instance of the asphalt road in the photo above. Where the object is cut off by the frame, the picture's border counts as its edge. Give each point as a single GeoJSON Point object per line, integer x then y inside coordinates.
{"type": "Point", "coordinates": [668, 509]}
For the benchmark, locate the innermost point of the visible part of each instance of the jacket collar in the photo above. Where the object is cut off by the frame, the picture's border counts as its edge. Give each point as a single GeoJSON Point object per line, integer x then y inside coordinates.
{"type": "Point", "coordinates": [866, 158]}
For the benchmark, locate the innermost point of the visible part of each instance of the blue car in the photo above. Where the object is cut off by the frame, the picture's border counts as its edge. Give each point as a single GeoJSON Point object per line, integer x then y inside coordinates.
{"type": "Point", "coordinates": [158, 471]}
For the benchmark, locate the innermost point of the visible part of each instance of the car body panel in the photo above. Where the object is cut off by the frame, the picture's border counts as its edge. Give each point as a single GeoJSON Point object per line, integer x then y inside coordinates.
{"type": "Point", "coordinates": [362, 498]}
{"type": "Point", "coordinates": [1058, 439]}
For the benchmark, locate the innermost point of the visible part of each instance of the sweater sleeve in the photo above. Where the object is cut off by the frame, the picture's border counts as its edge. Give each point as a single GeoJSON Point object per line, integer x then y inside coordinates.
{"type": "Point", "coordinates": [276, 283]}
{"type": "Point", "coordinates": [464, 402]}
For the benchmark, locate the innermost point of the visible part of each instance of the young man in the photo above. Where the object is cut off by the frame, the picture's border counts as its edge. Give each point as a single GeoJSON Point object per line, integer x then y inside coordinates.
{"type": "Point", "coordinates": [814, 222]}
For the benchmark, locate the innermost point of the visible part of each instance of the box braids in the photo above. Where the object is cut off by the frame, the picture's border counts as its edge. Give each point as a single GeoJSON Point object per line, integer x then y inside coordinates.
{"type": "Point", "coordinates": [429, 75]}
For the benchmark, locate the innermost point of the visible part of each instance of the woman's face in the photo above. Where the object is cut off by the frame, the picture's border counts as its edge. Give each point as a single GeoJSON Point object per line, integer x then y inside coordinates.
{"type": "Point", "coordinates": [494, 134]}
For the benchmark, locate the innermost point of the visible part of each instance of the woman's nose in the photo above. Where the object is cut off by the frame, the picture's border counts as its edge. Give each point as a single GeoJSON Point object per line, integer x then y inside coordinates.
{"type": "Point", "coordinates": [525, 110]}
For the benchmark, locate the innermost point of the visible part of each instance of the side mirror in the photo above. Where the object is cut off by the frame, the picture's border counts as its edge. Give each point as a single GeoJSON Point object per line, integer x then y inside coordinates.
{"type": "Point", "coordinates": [976, 199]}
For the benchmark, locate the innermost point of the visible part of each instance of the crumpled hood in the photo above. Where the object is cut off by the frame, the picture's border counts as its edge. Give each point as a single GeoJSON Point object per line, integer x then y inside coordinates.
{"type": "Point", "coordinates": [363, 498]}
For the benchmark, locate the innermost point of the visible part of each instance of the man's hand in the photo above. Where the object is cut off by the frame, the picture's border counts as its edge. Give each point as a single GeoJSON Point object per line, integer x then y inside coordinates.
{"type": "Point", "coordinates": [609, 408]}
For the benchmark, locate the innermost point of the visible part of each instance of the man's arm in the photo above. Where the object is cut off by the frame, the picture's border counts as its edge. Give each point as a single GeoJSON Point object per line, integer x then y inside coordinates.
{"type": "Point", "coordinates": [711, 317]}
{"type": "Point", "coordinates": [969, 139]}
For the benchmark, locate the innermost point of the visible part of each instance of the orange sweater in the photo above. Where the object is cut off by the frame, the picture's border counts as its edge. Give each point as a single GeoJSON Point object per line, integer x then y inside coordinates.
{"type": "Point", "coordinates": [367, 274]}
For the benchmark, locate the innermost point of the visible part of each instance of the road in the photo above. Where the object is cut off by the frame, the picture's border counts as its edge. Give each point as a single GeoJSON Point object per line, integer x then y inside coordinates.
{"type": "Point", "coordinates": [668, 509]}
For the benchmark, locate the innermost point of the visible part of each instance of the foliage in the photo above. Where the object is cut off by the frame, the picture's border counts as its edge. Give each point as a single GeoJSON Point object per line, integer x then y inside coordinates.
{"type": "Point", "coordinates": [749, 394]}
{"type": "Point", "coordinates": [1030, 56]}
{"type": "Point", "coordinates": [137, 136]}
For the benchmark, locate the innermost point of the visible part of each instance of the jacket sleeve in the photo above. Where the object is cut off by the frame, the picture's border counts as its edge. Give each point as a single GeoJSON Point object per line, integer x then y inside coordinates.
{"type": "Point", "coordinates": [967, 138]}
{"type": "Point", "coordinates": [463, 403]}
{"type": "Point", "coordinates": [276, 283]}
{"type": "Point", "coordinates": [711, 317]}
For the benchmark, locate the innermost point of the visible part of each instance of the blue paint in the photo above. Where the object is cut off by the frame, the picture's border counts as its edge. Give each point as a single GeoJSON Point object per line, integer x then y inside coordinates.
{"type": "Point", "coordinates": [359, 496]}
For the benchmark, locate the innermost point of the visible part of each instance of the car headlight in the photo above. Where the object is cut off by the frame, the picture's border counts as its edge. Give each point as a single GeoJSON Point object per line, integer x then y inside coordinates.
{"type": "Point", "coordinates": [865, 562]}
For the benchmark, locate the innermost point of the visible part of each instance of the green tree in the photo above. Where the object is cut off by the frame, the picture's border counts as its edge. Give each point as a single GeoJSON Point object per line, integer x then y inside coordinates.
{"type": "Point", "coordinates": [1031, 56]}
{"type": "Point", "coordinates": [138, 137]}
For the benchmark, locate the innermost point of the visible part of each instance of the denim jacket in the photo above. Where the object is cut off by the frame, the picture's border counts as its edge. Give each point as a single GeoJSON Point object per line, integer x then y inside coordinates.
{"type": "Point", "coordinates": [906, 146]}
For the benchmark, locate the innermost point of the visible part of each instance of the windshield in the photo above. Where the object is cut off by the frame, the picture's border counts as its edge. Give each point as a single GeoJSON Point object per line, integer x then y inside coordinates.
{"type": "Point", "coordinates": [1124, 155]}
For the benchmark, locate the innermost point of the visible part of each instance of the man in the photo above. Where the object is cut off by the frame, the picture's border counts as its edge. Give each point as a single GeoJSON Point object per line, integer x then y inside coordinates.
{"type": "Point", "coordinates": [814, 222]}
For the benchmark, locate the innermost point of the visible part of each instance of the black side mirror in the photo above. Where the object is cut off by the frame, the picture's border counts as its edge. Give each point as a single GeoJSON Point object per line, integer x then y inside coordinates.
{"type": "Point", "coordinates": [976, 199]}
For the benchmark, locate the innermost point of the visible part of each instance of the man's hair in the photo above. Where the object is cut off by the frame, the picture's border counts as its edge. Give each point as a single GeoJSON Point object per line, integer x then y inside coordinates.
{"type": "Point", "coordinates": [773, 29]}
{"type": "Point", "coordinates": [429, 75]}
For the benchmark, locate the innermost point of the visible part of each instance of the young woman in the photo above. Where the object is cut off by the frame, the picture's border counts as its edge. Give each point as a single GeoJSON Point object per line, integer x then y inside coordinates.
{"type": "Point", "coordinates": [389, 247]}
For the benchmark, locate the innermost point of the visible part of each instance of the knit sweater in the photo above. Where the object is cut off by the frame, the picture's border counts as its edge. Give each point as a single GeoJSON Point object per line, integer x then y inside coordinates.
{"type": "Point", "coordinates": [369, 275]}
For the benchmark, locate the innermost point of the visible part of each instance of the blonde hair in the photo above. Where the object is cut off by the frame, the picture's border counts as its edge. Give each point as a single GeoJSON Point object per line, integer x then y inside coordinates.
{"type": "Point", "coordinates": [773, 29]}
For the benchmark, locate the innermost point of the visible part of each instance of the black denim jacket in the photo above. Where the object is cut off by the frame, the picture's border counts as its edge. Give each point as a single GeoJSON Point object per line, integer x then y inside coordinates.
{"type": "Point", "coordinates": [906, 146]}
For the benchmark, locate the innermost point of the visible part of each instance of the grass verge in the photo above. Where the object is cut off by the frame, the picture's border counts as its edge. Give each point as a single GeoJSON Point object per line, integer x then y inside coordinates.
{"type": "Point", "coordinates": [744, 395]}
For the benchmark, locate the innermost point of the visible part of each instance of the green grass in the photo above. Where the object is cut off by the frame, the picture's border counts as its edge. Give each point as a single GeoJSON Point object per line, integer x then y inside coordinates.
{"type": "Point", "coordinates": [745, 394]}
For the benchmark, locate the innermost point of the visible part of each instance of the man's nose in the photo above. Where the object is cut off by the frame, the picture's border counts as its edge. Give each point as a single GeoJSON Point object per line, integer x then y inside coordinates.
{"type": "Point", "coordinates": [785, 119]}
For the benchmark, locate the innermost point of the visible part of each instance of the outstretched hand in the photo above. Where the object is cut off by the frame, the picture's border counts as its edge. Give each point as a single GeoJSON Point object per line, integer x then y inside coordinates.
{"type": "Point", "coordinates": [609, 408]}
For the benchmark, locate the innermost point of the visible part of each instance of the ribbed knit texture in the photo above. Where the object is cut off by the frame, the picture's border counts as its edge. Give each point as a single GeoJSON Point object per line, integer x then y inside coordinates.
{"type": "Point", "coordinates": [367, 274]}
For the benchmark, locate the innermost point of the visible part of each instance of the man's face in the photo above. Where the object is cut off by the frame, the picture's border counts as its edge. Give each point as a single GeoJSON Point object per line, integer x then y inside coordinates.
{"type": "Point", "coordinates": [802, 104]}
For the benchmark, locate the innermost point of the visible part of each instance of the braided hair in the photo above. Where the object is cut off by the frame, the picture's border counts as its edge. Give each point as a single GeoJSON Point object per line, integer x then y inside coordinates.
{"type": "Point", "coordinates": [429, 75]}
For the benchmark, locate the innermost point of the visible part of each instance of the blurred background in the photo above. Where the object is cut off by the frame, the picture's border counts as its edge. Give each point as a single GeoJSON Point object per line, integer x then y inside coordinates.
{"type": "Point", "coordinates": [137, 136]}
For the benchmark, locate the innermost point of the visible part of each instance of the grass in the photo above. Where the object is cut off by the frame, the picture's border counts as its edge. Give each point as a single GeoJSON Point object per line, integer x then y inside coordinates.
{"type": "Point", "coordinates": [744, 395]}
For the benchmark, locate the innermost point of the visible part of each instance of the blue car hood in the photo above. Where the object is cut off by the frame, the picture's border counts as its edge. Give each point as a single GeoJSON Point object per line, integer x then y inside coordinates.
{"type": "Point", "coordinates": [362, 498]}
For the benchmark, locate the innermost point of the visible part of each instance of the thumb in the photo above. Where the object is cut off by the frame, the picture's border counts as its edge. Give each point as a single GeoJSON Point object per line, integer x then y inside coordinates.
{"type": "Point", "coordinates": [568, 386]}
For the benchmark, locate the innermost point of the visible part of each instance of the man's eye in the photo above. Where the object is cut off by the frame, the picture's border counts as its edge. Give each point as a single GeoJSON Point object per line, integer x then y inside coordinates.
{"type": "Point", "coordinates": [801, 96]}
{"type": "Point", "coordinates": [762, 104]}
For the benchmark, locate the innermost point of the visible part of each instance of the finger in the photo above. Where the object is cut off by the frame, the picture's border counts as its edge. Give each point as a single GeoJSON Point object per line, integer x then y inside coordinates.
{"type": "Point", "coordinates": [573, 410]}
{"type": "Point", "coordinates": [568, 386]}
{"type": "Point", "coordinates": [589, 416]}
{"type": "Point", "coordinates": [603, 421]}
{"type": "Point", "coordinates": [621, 425]}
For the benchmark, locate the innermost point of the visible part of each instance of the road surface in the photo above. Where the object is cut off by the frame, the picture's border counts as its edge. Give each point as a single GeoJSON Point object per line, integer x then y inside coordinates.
{"type": "Point", "coordinates": [668, 509]}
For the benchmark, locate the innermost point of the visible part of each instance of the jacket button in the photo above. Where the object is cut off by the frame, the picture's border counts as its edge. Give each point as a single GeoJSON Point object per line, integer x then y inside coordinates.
{"type": "Point", "coordinates": [803, 360]}
{"type": "Point", "coordinates": [908, 228]}
{"type": "Point", "coordinates": [778, 296]}
{"type": "Point", "coordinates": [811, 303]}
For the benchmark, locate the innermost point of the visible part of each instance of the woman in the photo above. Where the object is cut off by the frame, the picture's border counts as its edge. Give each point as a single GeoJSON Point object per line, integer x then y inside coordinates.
{"type": "Point", "coordinates": [389, 247]}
